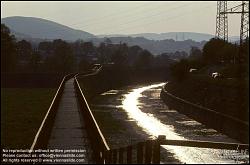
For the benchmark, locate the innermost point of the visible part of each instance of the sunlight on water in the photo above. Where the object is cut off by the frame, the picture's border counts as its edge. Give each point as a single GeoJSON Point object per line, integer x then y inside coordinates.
{"type": "Point", "coordinates": [154, 127]}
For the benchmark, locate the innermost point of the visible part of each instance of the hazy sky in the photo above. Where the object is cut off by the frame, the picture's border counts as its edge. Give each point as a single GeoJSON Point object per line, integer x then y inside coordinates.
{"type": "Point", "coordinates": [126, 17]}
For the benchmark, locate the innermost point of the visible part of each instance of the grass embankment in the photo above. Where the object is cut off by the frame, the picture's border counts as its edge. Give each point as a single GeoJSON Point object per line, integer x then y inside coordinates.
{"type": "Point", "coordinates": [22, 111]}
{"type": "Point", "coordinates": [228, 96]}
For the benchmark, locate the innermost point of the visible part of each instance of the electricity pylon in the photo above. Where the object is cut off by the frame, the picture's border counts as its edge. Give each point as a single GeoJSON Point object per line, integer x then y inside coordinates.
{"type": "Point", "coordinates": [222, 24]}
{"type": "Point", "coordinates": [222, 21]}
{"type": "Point", "coordinates": [242, 9]}
{"type": "Point", "coordinates": [244, 29]}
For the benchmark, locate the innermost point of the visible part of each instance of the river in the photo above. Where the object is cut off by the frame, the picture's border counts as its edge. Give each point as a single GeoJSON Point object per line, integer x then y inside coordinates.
{"type": "Point", "coordinates": [140, 114]}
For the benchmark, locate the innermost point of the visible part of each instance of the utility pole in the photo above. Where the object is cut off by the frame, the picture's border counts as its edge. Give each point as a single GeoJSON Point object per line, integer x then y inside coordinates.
{"type": "Point", "coordinates": [222, 21]}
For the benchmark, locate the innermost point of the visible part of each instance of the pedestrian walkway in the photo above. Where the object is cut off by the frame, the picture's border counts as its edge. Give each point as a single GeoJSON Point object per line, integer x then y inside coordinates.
{"type": "Point", "coordinates": [69, 130]}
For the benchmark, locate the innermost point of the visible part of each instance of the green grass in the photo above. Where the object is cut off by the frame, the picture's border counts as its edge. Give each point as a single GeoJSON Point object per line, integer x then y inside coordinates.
{"type": "Point", "coordinates": [22, 111]}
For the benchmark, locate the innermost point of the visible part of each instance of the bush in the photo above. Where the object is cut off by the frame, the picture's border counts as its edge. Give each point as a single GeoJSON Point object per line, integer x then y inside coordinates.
{"type": "Point", "coordinates": [179, 71]}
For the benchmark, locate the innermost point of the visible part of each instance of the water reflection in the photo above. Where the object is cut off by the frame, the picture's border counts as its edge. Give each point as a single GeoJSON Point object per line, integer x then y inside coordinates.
{"type": "Point", "coordinates": [111, 92]}
{"type": "Point", "coordinates": [155, 127]}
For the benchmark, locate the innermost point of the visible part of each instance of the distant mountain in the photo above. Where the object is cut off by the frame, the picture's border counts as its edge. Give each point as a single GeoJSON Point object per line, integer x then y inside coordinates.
{"type": "Point", "coordinates": [113, 35]}
{"type": "Point", "coordinates": [36, 30]}
{"type": "Point", "coordinates": [20, 35]}
{"type": "Point", "coordinates": [43, 29]}
{"type": "Point", "coordinates": [177, 36]}
{"type": "Point", "coordinates": [155, 47]}
{"type": "Point", "coordinates": [234, 39]}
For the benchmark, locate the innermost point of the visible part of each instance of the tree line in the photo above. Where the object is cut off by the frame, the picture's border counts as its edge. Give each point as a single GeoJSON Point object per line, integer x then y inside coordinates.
{"type": "Point", "coordinates": [59, 56]}
{"type": "Point", "coordinates": [233, 59]}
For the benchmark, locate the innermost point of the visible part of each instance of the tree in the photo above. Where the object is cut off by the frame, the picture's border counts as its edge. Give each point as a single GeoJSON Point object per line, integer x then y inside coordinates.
{"type": "Point", "coordinates": [24, 50]}
{"type": "Point", "coordinates": [8, 50]}
{"type": "Point", "coordinates": [195, 53]}
{"type": "Point", "coordinates": [84, 65]}
{"type": "Point", "coordinates": [179, 71]}
{"type": "Point", "coordinates": [62, 60]}
{"type": "Point", "coordinates": [195, 58]}
{"type": "Point", "coordinates": [78, 48]}
{"type": "Point", "coordinates": [108, 41]}
{"type": "Point", "coordinates": [245, 52]}
{"type": "Point", "coordinates": [102, 53]}
{"type": "Point", "coordinates": [34, 61]}
{"type": "Point", "coordinates": [88, 48]}
{"type": "Point", "coordinates": [120, 55]}
{"type": "Point", "coordinates": [144, 60]}
{"type": "Point", "coordinates": [211, 51]}
{"type": "Point", "coordinates": [229, 53]}
{"type": "Point", "coordinates": [45, 48]}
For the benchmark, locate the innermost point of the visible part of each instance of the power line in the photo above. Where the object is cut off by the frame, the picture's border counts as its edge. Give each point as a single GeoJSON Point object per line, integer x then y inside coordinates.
{"type": "Point", "coordinates": [126, 14]}
{"type": "Point", "coordinates": [156, 14]}
{"type": "Point", "coordinates": [112, 15]}
{"type": "Point", "coordinates": [145, 17]}
{"type": "Point", "coordinates": [168, 18]}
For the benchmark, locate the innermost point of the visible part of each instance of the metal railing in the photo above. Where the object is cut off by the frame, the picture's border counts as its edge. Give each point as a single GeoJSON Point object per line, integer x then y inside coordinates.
{"type": "Point", "coordinates": [43, 134]}
{"type": "Point", "coordinates": [97, 140]}
{"type": "Point", "coordinates": [148, 152]}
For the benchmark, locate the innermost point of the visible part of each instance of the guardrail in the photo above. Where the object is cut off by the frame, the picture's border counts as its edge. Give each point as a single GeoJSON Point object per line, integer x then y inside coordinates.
{"type": "Point", "coordinates": [148, 152]}
{"type": "Point", "coordinates": [98, 142]}
{"type": "Point", "coordinates": [43, 134]}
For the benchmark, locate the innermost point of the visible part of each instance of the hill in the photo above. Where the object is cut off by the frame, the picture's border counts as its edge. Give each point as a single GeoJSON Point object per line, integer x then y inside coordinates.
{"type": "Point", "coordinates": [36, 30]}
{"type": "Point", "coordinates": [177, 36]}
{"type": "Point", "coordinates": [155, 47]}
{"type": "Point", "coordinates": [30, 27]}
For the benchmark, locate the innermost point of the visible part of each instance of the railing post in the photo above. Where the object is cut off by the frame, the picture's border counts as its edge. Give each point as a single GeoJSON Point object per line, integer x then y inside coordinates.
{"type": "Point", "coordinates": [105, 157]}
{"type": "Point", "coordinates": [148, 152]}
{"type": "Point", "coordinates": [129, 154]}
{"type": "Point", "coordinates": [102, 157]}
{"type": "Point", "coordinates": [120, 155]}
{"type": "Point", "coordinates": [140, 153]}
{"type": "Point", "coordinates": [156, 149]}
{"type": "Point", "coordinates": [114, 156]}
{"type": "Point", "coordinates": [108, 157]}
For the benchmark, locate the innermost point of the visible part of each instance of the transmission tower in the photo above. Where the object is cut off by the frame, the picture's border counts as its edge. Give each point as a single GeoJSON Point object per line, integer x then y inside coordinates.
{"type": "Point", "coordinates": [242, 9]}
{"type": "Point", "coordinates": [222, 12]}
{"type": "Point", "coordinates": [244, 29]}
{"type": "Point", "coordinates": [222, 21]}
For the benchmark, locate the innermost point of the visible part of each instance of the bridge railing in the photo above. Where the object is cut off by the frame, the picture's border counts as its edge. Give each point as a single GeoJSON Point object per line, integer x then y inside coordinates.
{"type": "Point", "coordinates": [97, 140]}
{"type": "Point", "coordinates": [148, 152]}
{"type": "Point", "coordinates": [43, 134]}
